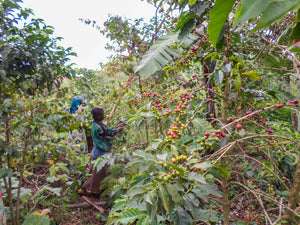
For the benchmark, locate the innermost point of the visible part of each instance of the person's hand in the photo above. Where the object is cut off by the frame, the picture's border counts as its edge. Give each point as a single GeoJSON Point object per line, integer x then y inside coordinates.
{"type": "Point", "coordinates": [122, 125]}
{"type": "Point", "coordinates": [120, 128]}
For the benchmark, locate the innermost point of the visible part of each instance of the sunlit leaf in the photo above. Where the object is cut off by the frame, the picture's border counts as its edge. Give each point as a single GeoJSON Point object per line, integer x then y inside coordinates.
{"type": "Point", "coordinates": [218, 16]}
{"type": "Point", "coordinates": [238, 82]}
{"type": "Point", "coordinates": [192, 2]}
{"type": "Point", "coordinates": [251, 9]}
{"type": "Point", "coordinates": [252, 74]}
{"type": "Point", "coordinates": [275, 11]}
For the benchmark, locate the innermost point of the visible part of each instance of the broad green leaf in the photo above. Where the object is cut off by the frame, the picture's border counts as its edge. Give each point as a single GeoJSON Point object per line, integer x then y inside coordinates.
{"type": "Point", "coordinates": [174, 150]}
{"type": "Point", "coordinates": [34, 219]}
{"type": "Point", "coordinates": [210, 189]}
{"type": "Point", "coordinates": [151, 208]}
{"type": "Point", "coordinates": [272, 60]}
{"type": "Point", "coordinates": [196, 177]}
{"type": "Point", "coordinates": [186, 29]}
{"type": "Point", "coordinates": [200, 8]}
{"type": "Point", "coordinates": [142, 167]}
{"type": "Point", "coordinates": [191, 200]}
{"type": "Point", "coordinates": [12, 151]}
{"type": "Point", "coordinates": [251, 9]}
{"type": "Point", "coordinates": [203, 166]}
{"type": "Point", "coordinates": [205, 215]}
{"type": "Point", "coordinates": [200, 194]}
{"type": "Point", "coordinates": [218, 16]}
{"type": "Point", "coordinates": [296, 32]}
{"type": "Point", "coordinates": [192, 2]}
{"type": "Point", "coordinates": [142, 154]}
{"type": "Point", "coordinates": [202, 126]}
{"type": "Point", "coordinates": [139, 180]}
{"type": "Point", "coordinates": [275, 11]}
{"type": "Point", "coordinates": [2, 143]}
{"type": "Point", "coordinates": [181, 217]}
{"type": "Point", "coordinates": [164, 198]}
{"type": "Point", "coordinates": [5, 171]}
{"type": "Point", "coordinates": [296, 28]}
{"type": "Point", "coordinates": [148, 197]}
{"type": "Point", "coordinates": [56, 191]}
{"type": "Point", "coordinates": [186, 139]}
{"type": "Point", "coordinates": [219, 75]}
{"type": "Point", "coordinates": [223, 170]}
{"type": "Point", "coordinates": [173, 192]}
{"type": "Point", "coordinates": [132, 119]}
{"type": "Point", "coordinates": [153, 145]}
{"type": "Point", "coordinates": [226, 68]}
{"type": "Point", "coordinates": [162, 157]}
{"type": "Point", "coordinates": [184, 18]}
{"type": "Point", "coordinates": [238, 81]}
{"type": "Point", "coordinates": [136, 190]}
{"type": "Point", "coordinates": [101, 162]}
{"type": "Point", "coordinates": [24, 192]}
{"type": "Point", "coordinates": [134, 162]}
{"type": "Point", "coordinates": [252, 74]}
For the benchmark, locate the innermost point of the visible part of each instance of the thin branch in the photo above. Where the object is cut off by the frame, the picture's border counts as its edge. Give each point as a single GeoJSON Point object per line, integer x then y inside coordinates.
{"type": "Point", "coordinates": [269, 68]}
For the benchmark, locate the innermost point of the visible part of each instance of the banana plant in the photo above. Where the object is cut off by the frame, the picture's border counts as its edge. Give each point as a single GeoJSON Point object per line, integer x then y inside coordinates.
{"type": "Point", "coordinates": [162, 52]}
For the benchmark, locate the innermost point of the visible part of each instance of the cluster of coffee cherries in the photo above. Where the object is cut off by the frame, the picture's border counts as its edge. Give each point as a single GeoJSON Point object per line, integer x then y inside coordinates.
{"type": "Point", "coordinates": [175, 130]}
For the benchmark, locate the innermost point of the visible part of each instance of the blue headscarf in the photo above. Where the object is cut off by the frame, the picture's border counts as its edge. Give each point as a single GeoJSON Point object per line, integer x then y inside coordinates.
{"type": "Point", "coordinates": [77, 101]}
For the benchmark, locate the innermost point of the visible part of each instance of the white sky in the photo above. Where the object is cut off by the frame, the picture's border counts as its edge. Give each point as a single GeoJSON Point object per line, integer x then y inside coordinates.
{"type": "Point", "coordinates": [86, 41]}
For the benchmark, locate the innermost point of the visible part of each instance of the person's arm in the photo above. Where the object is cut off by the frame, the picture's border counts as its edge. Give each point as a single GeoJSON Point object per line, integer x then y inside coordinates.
{"type": "Point", "coordinates": [121, 126]}
{"type": "Point", "coordinates": [113, 131]}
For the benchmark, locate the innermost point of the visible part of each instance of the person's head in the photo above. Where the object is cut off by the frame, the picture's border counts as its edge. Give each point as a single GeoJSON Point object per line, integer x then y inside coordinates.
{"type": "Point", "coordinates": [98, 114]}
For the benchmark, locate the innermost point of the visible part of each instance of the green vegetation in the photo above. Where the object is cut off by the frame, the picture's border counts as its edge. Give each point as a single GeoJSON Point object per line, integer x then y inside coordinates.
{"type": "Point", "coordinates": [211, 101]}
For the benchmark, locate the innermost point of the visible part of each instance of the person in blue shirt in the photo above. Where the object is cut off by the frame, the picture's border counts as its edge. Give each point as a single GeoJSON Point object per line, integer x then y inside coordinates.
{"type": "Point", "coordinates": [77, 140]}
{"type": "Point", "coordinates": [77, 101]}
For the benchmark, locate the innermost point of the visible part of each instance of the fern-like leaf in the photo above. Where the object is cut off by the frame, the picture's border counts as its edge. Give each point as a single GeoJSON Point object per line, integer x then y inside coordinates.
{"type": "Point", "coordinates": [130, 215]}
{"type": "Point", "coordinates": [143, 221]}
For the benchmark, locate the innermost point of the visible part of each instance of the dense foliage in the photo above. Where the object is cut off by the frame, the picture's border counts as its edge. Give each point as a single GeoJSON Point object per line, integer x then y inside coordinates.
{"type": "Point", "coordinates": [211, 101]}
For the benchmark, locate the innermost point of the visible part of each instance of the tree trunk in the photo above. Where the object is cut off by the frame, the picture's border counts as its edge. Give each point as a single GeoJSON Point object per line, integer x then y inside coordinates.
{"type": "Point", "coordinates": [293, 194]}
{"type": "Point", "coordinates": [207, 68]}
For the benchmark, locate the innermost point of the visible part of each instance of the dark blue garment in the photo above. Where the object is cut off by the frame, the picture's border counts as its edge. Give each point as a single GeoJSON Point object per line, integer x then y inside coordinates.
{"type": "Point", "coordinates": [96, 153]}
{"type": "Point", "coordinates": [77, 101]}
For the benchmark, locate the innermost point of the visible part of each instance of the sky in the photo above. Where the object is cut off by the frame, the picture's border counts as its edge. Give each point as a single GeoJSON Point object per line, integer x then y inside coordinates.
{"type": "Point", "coordinates": [86, 41]}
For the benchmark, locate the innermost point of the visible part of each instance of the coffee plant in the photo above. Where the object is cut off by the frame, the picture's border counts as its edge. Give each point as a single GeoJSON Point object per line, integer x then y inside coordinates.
{"type": "Point", "coordinates": [209, 90]}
